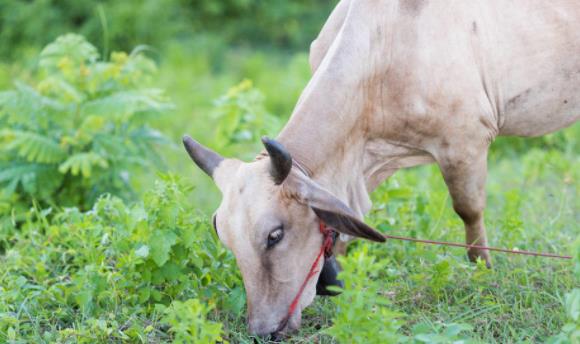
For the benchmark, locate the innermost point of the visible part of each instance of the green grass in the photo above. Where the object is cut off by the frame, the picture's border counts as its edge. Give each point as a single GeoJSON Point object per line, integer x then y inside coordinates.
{"type": "Point", "coordinates": [520, 299]}
{"type": "Point", "coordinates": [533, 204]}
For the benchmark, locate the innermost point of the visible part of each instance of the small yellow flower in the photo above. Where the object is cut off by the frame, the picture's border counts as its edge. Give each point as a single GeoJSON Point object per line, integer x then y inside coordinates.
{"type": "Point", "coordinates": [64, 64]}
{"type": "Point", "coordinates": [85, 71]}
{"type": "Point", "coordinates": [119, 57]}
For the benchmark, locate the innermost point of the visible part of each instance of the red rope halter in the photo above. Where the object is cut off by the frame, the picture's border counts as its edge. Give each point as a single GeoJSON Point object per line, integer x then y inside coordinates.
{"type": "Point", "coordinates": [326, 250]}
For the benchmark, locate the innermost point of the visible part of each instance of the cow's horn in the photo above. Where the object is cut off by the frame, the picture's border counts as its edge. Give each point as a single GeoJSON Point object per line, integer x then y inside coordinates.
{"type": "Point", "coordinates": [203, 157]}
{"type": "Point", "coordinates": [280, 158]}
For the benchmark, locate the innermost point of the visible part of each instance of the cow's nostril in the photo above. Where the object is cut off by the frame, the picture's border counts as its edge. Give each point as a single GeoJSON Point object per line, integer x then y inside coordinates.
{"type": "Point", "coordinates": [275, 337]}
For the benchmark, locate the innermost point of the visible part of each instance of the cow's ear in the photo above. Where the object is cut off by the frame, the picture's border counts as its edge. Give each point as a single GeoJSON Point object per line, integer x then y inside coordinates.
{"type": "Point", "coordinates": [348, 224]}
{"type": "Point", "coordinates": [330, 209]}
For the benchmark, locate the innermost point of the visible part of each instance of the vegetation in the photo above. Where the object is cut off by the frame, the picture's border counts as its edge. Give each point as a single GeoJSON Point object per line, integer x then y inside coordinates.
{"type": "Point", "coordinates": [80, 131]}
{"type": "Point", "coordinates": [104, 221]}
{"type": "Point", "coordinates": [116, 273]}
{"type": "Point", "coordinates": [114, 24]}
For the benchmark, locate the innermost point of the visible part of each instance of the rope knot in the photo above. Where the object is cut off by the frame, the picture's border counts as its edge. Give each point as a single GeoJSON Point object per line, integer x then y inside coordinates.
{"type": "Point", "coordinates": [328, 239]}
{"type": "Point", "coordinates": [326, 251]}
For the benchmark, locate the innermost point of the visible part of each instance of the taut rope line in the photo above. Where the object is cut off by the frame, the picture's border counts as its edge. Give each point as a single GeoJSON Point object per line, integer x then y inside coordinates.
{"type": "Point", "coordinates": [445, 243]}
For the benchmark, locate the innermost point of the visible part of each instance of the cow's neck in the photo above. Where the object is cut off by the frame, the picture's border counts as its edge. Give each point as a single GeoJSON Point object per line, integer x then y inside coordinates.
{"type": "Point", "coordinates": [348, 163]}
{"type": "Point", "coordinates": [336, 130]}
{"type": "Point", "coordinates": [342, 173]}
{"type": "Point", "coordinates": [328, 141]}
{"type": "Point", "coordinates": [339, 142]}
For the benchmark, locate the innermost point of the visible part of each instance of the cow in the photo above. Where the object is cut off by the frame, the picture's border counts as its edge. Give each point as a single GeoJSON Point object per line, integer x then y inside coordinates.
{"type": "Point", "coordinates": [395, 84]}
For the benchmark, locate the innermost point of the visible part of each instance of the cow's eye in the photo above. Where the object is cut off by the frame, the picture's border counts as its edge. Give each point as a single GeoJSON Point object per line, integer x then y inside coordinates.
{"type": "Point", "coordinates": [275, 236]}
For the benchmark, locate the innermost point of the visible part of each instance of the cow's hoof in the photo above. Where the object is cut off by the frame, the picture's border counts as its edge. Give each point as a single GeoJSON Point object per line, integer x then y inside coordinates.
{"type": "Point", "coordinates": [474, 255]}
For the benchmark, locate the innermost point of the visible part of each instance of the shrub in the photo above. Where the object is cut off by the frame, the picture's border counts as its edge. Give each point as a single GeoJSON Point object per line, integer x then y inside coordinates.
{"type": "Point", "coordinates": [242, 118]}
{"type": "Point", "coordinates": [109, 274]}
{"type": "Point", "coordinates": [189, 324]}
{"type": "Point", "coordinates": [363, 314]}
{"type": "Point", "coordinates": [442, 333]}
{"type": "Point", "coordinates": [122, 24]}
{"type": "Point", "coordinates": [81, 130]}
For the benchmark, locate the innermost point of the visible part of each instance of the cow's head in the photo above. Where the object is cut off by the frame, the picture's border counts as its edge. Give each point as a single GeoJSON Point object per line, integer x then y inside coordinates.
{"type": "Point", "coordinates": [269, 218]}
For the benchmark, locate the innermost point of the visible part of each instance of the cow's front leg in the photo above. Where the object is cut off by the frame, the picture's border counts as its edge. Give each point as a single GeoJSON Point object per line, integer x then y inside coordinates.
{"type": "Point", "coordinates": [465, 173]}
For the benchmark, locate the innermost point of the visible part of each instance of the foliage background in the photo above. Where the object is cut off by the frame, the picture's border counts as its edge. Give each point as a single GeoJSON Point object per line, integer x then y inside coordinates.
{"type": "Point", "coordinates": [117, 246]}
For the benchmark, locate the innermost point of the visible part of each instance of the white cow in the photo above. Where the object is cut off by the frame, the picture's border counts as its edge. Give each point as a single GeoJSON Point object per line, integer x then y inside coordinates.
{"type": "Point", "coordinates": [395, 84]}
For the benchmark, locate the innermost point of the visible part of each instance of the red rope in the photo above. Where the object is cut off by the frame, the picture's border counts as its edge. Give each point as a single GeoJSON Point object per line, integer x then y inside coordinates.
{"type": "Point", "coordinates": [326, 250]}
{"type": "Point", "coordinates": [444, 243]}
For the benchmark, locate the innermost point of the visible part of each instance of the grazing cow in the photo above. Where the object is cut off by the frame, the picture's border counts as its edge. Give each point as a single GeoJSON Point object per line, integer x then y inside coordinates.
{"type": "Point", "coordinates": [395, 84]}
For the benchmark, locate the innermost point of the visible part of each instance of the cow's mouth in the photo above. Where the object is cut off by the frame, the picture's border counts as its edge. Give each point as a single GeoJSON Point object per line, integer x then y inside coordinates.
{"type": "Point", "coordinates": [328, 277]}
{"type": "Point", "coordinates": [276, 337]}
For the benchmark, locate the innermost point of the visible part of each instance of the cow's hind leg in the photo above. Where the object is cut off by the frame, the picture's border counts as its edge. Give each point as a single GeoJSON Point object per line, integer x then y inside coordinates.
{"type": "Point", "coordinates": [465, 174]}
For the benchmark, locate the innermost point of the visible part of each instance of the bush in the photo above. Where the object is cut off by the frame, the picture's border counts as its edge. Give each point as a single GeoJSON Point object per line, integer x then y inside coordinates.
{"type": "Point", "coordinates": [363, 314]}
{"type": "Point", "coordinates": [189, 325]}
{"type": "Point", "coordinates": [242, 118]}
{"type": "Point", "coordinates": [109, 274]}
{"type": "Point", "coordinates": [123, 24]}
{"type": "Point", "coordinates": [81, 130]}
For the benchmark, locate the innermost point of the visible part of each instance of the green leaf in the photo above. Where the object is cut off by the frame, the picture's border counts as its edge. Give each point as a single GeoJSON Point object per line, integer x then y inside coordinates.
{"type": "Point", "coordinates": [170, 271]}
{"type": "Point", "coordinates": [188, 322]}
{"type": "Point", "coordinates": [573, 304]}
{"type": "Point", "coordinates": [453, 330]}
{"type": "Point", "coordinates": [35, 178]}
{"type": "Point", "coordinates": [35, 147]}
{"type": "Point", "coordinates": [160, 244]}
{"type": "Point", "coordinates": [62, 89]}
{"type": "Point", "coordinates": [124, 104]}
{"type": "Point", "coordinates": [236, 300]}
{"type": "Point", "coordinates": [144, 294]}
{"type": "Point", "coordinates": [82, 162]}
{"type": "Point", "coordinates": [70, 46]}
{"type": "Point", "coordinates": [142, 252]}
{"type": "Point", "coordinates": [28, 109]}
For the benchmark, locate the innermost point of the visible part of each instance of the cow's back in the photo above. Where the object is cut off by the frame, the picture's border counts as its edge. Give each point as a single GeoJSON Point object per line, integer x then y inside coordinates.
{"type": "Point", "coordinates": [536, 62]}
{"type": "Point", "coordinates": [436, 77]}
{"type": "Point", "coordinates": [496, 67]}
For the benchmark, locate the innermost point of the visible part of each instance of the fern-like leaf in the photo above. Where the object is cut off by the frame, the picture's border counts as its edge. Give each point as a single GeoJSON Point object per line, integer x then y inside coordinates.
{"type": "Point", "coordinates": [27, 108]}
{"type": "Point", "coordinates": [83, 163]}
{"type": "Point", "coordinates": [70, 46]}
{"type": "Point", "coordinates": [35, 147]}
{"type": "Point", "coordinates": [122, 105]}
{"type": "Point", "coordinates": [36, 179]}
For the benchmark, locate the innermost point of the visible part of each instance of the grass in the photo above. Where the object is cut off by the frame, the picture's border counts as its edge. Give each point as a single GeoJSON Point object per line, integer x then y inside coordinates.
{"type": "Point", "coordinates": [520, 299]}
{"type": "Point", "coordinates": [533, 204]}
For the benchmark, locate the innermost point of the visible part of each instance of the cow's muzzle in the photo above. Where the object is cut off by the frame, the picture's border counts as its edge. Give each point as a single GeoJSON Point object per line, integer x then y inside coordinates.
{"type": "Point", "coordinates": [328, 277]}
